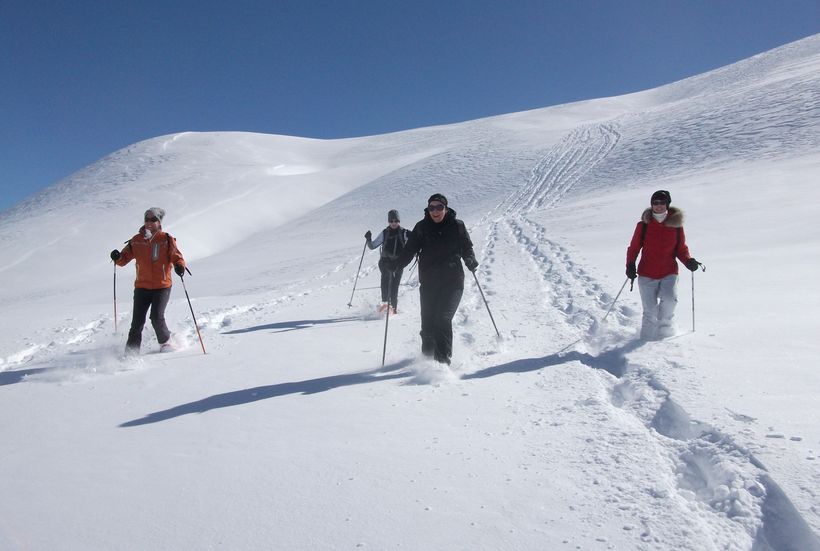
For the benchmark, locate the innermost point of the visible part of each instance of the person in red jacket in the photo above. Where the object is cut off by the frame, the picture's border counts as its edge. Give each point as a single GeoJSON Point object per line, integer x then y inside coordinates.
{"type": "Point", "coordinates": [660, 240]}
{"type": "Point", "coordinates": [155, 253]}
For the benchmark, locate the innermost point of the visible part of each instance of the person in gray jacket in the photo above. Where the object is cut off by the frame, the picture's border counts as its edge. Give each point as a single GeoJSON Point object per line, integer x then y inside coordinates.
{"type": "Point", "coordinates": [391, 240]}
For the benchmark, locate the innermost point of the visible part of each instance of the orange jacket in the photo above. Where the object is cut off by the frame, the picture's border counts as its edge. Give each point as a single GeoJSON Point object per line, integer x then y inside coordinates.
{"type": "Point", "coordinates": [155, 259]}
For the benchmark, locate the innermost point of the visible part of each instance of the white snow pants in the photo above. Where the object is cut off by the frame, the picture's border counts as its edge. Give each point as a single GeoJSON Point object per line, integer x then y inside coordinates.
{"type": "Point", "coordinates": [659, 298]}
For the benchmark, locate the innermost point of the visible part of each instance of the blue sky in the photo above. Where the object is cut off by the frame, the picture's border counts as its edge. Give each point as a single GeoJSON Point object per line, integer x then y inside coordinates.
{"type": "Point", "coordinates": [79, 80]}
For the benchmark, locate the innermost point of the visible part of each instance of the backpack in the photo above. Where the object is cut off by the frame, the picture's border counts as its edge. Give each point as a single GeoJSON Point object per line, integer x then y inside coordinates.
{"type": "Point", "coordinates": [401, 238]}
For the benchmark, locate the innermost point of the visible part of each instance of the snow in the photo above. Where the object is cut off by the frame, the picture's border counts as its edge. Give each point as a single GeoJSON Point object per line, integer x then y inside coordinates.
{"type": "Point", "coordinates": [565, 433]}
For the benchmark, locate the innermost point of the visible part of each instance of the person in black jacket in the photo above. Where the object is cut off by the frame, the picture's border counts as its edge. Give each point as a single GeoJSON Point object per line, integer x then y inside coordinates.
{"type": "Point", "coordinates": [441, 241]}
{"type": "Point", "coordinates": [392, 240]}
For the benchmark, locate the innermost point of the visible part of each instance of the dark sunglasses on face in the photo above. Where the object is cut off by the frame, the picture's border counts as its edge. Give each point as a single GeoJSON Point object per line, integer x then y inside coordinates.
{"type": "Point", "coordinates": [436, 207]}
{"type": "Point", "coordinates": [658, 202]}
{"type": "Point", "coordinates": [393, 221]}
{"type": "Point", "coordinates": [152, 219]}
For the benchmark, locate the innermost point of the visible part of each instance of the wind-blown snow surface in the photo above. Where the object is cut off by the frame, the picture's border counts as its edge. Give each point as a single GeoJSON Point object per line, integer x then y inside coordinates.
{"type": "Point", "coordinates": [566, 434]}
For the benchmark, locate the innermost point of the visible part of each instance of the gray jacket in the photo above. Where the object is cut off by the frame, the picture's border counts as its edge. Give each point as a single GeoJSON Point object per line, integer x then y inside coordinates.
{"type": "Point", "coordinates": [391, 242]}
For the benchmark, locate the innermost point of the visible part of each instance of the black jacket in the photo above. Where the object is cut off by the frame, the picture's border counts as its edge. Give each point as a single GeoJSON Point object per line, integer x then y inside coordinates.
{"type": "Point", "coordinates": [440, 248]}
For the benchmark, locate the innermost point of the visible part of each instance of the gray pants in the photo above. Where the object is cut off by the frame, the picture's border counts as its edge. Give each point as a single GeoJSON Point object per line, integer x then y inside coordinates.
{"type": "Point", "coordinates": [659, 298]}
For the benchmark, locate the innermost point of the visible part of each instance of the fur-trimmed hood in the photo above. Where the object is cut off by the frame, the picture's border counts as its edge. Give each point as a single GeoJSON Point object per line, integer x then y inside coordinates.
{"type": "Point", "coordinates": [674, 217]}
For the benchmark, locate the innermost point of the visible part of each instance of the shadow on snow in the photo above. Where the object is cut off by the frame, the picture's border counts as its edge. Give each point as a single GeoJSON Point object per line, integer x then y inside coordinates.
{"type": "Point", "coordinates": [14, 377]}
{"type": "Point", "coordinates": [248, 395]}
{"type": "Point", "coordinates": [283, 326]}
{"type": "Point", "coordinates": [611, 361]}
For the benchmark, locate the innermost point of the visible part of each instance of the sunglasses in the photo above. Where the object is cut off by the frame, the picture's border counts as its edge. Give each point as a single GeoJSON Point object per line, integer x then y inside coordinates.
{"type": "Point", "coordinates": [435, 208]}
{"type": "Point", "coordinates": [658, 202]}
{"type": "Point", "coordinates": [152, 219]}
{"type": "Point", "coordinates": [393, 221]}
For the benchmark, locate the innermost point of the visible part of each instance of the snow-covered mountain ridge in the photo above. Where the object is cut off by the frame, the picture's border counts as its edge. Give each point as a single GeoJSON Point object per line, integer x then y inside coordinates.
{"type": "Point", "coordinates": [568, 432]}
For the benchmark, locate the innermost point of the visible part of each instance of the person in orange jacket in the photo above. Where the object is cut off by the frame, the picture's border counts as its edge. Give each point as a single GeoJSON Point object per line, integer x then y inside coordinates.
{"type": "Point", "coordinates": [660, 240]}
{"type": "Point", "coordinates": [155, 253]}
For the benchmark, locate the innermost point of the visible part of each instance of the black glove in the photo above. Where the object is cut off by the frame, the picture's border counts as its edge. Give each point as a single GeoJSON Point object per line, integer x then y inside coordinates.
{"type": "Point", "coordinates": [631, 271]}
{"type": "Point", "coordinates": [115, 255]}
{"type": "Point", "coordinates": [368, 235]}
{"type": "Point", "coordinates": [693, 265]}
{"type": "Point", "coordinates": [471, 263]}
{"type": "Point", "coordinates": [179, 269]}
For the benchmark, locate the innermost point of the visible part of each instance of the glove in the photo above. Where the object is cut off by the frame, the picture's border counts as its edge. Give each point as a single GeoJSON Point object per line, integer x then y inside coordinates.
{"type": "Point", "coordinates": [368, 235]}
{"type": "Point", "coordinates": [179, 269]}
{"type": "Point", "coordinates": [631, 271]}
{"type": "Point", "coordinates": [471, 263]}
{"type": "Point", "coordinates": [693, 265]}
{"type": "Point", "coordinates": [115, 255]}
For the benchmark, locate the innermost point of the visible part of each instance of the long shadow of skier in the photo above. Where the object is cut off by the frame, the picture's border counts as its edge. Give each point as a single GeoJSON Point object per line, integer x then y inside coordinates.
{"type": "Point", "coordinates": [248, 395]}
{"type": "Point", "coordinates": [284, 326]}
{"type": "Point", "coordinates": [13, 377]}
{"type": "Point", "coordinates": [611, 361]}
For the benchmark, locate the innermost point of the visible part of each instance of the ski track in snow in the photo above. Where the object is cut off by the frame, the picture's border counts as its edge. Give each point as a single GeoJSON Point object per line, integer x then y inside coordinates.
{"type": "Point", "coordinates": [714, 487]}
{"type": "Point", "coordinates": [563, 166]}
{"type": "Point", "coordinates": [726, 484]}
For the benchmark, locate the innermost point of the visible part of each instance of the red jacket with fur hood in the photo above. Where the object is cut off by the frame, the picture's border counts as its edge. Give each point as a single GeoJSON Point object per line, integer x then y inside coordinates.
{"type": "Point", "coordinates": [659, 244]}
{"type": "Point", "coordinates": [155, 257]}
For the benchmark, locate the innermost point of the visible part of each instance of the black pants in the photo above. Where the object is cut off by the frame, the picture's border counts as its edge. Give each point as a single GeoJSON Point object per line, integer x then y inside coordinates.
{"type": "Point", "coordinates": [439, 303]}
{"type": "Point", "coordinates": [387, 290]}
{"type": "Point", "coordinates": [157, 300]}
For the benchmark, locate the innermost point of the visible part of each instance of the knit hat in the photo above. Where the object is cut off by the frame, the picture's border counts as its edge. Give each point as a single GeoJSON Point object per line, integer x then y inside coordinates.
{"type": "Point", "coordinates": [155, 211]}
{"type": "Point", "coordinates": [662, 195]}
{"type": "Point", "coordinates": [393, 215]}
{"type": "Point", "coordinates": [437, 197]}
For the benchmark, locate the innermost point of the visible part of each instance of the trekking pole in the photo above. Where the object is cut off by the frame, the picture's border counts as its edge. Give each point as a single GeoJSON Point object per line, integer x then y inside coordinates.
{"type": "Point", "coordinates": [192, 311]}
{"type": "Point", "coordinates": [702, 267]}
{"type": "Point", "coordinates": [693, 302]}
{"type": "Point", "coordinates": [487, 305]}
{"type": "Point", "coordinates": [115, 298]}
{"type": "Point", "coordinates": [614, 301]}
{"type": "Point", "coordinates": [413, 267]}
{"type": "Point", "coordinates": [350, 304]}
{"type": "Point", "coordinates": [387, 318]}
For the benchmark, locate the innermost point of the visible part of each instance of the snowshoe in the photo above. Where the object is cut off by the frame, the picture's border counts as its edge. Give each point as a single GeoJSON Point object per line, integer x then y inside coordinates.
{"type": "Point", "coordinates": [167, 347]}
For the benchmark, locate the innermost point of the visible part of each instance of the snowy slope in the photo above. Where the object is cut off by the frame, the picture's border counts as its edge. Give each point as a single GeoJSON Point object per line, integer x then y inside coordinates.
{"type": "Point", "coordinates": [566, 433]}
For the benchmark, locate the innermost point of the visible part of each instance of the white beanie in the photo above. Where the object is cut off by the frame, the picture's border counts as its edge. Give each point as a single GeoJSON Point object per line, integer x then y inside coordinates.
{"type": "Point", "coordinates": [155, 211]}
